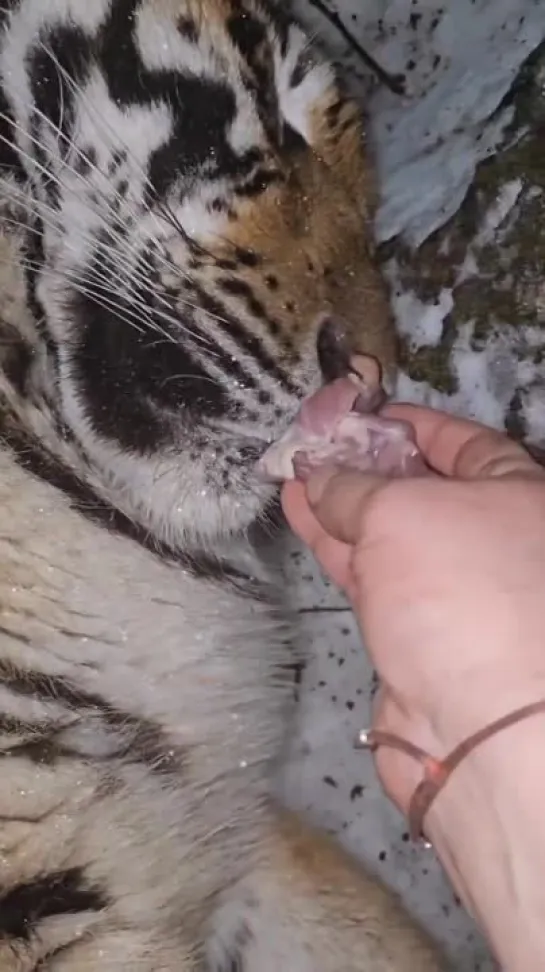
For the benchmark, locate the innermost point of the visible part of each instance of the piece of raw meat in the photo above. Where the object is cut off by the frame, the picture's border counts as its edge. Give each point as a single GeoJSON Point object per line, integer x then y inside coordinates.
{"type": "Point", "coordinates": [337, 425]}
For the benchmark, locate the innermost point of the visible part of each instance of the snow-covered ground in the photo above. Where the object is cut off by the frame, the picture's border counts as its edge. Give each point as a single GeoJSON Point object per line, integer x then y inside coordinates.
{"type": "Point", "coordinates": [460, 59]}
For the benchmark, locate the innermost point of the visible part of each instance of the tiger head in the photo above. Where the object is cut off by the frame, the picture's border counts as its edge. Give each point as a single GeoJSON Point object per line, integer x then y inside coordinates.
{"type": "Point", "coordinates": [204, 202]}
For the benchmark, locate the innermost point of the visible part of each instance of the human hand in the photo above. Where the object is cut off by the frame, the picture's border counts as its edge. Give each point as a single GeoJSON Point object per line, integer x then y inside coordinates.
{"type": "Point", "coordinates": [446, 575]}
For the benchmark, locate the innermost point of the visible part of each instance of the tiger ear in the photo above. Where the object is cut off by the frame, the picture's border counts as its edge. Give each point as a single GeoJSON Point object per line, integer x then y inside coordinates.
{"type": "Point", "coordinates": [312, 102]}
{"type": "Point", "coordinates": [338, 139]}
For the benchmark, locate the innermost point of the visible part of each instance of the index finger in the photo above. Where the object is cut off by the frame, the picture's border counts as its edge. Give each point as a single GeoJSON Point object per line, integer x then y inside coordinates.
{"type": "Point", "coordinates": [463, 448]}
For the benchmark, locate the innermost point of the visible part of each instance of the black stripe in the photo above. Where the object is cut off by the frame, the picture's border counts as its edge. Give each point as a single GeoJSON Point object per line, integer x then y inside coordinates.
{"type": "Point", "coordinates": [132, 379]}
{"type": "Point", "coordinates": [16, 357]}
{"type": "Point", "coordinates": [258, 182]}
{"type": "Point", "coordinates": [6, 8]}
{"type": "Point", "coordinates": [239, 288]}
{"type": "Point", "coordinates": [54, 97]}
{"type": "Point", "coordinates": [306, 62]}
{"type": "Point", "coordinates": [40, 749]}
{"type": "Point", "coordinates": [246, 341]}
{"type": "Point", "coordinates": [188, 28]}
{"type": "Point", "coordinates": [12, 726]}
{"type": "Point", "coordinates": [30, 455]}
{"type": "Point", "coordinates": [251, 37]}
{"type": "Point", "coordinates": [59, 893]}
{"type": "Point", "coordinates": [234, 960]}
{"type": "Point", "coordinates": [226, 362]}
{"type": "Point", "coordinates": [211, 343]}
{"type": "Point", "coordinates": [47, 962]}
{"type": "Point", "coordinates": [140, 740]}
{"type": "Point", "coordinates": [33, 255]}
{"type": "Point", "coordinates": [47, 688]}
{"type": "Point", "coordinates": [248, 258]}
{"type": "Point", "coordinates": [61, 53]}
{"type": "Point", "coordinates": [9, 156]}
{"type": "Point", "coordinates": [281, 21]}
{"type": "Point", "coordinates": [203, 109]}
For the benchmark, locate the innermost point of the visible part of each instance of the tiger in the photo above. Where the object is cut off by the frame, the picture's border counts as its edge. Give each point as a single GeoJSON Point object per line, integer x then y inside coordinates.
{"type": "Point", "coordinates": [186, 212]}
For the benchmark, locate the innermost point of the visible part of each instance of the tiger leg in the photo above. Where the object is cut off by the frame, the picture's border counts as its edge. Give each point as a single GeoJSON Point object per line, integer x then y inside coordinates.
{"type": "Point", "coordinates": [308, 907]}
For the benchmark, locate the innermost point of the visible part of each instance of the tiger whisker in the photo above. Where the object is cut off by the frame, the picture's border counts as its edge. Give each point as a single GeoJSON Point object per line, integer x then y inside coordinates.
{"type": "Point", "coordinates": [88, 286]}
{"type": "Point", "coordinates": [95, 290]}
{"type": "Point", "coordinates": [172, 220]}
{"type": "Point", "coordinates": [114, 135]}
{"type": "Point", "coordinates": [164, 207]}
{"type": "Point", "coordinates": [107, 226]}
{"type": "Point", "coordinates": [108, 280]}
{"type": "Point", "coordinates": [134, 312]}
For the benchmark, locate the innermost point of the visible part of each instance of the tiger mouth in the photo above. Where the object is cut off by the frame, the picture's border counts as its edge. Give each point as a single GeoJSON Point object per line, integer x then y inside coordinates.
{"type": "Point", "coordinates": [342, 424]}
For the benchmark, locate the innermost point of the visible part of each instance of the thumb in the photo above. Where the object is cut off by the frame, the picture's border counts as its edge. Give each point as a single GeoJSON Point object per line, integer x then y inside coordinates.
{"type": "Point", "coordinates": [338, 498]}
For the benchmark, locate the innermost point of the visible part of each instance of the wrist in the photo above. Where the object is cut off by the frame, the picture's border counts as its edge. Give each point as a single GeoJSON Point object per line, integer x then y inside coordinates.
{"type": "Point", "coordinates": [482, 700]}
{"type": "Point", "coordinates": [487, 829]}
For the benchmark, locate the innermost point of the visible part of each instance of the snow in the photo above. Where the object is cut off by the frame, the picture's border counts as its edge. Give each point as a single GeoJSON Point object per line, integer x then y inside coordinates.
{"type": "Point", "coordinates": [499, 211]}
{"type": "Point", "coordinates": [421, 323]}
{"type": "Point", "coordinates": [487, 378]}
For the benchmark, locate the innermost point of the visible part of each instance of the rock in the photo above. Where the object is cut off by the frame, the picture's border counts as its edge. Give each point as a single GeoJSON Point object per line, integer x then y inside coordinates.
{"type": "Point", "coordinates": [479, 283]}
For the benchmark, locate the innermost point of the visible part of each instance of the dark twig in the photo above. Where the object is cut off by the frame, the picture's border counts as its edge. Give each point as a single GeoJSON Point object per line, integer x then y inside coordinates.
{"type": "Point", "coordinates": [395, 82]}
{"type": "Point", "coordinates": [324, 610]}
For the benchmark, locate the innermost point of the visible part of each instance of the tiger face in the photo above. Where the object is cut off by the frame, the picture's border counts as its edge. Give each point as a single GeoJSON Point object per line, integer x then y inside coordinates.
{"type": "Point", "coordinates": [199, 203]}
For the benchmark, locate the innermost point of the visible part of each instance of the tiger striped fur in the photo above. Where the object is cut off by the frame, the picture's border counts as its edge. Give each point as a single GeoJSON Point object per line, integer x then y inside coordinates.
{"type": "Point", "coordinates": [184, 196]}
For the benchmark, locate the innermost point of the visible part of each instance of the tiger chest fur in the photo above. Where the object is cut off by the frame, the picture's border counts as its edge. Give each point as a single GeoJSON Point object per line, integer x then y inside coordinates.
{"type": "Point", "coordinates": [184, 200]}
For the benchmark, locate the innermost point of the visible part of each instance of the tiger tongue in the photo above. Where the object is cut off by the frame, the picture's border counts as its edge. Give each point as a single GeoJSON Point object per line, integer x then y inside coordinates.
{"type": "Point", "coordinates": [361, 392]}
{"type": "Point", "coordinates": [321, 413]}
{"type": "Point", "coordinates": [337, 425]}
{"type": "Point", "coordinates": [320, 423]}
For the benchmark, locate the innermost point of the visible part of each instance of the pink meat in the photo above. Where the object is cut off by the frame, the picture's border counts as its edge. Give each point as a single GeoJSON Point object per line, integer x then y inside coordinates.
{"type": "Point", "coordinates": [334, 426]}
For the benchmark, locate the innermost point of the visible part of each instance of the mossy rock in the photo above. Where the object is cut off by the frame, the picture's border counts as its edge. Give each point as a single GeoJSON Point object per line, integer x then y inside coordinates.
{"type": "Point", "coordinates": [491, 258]}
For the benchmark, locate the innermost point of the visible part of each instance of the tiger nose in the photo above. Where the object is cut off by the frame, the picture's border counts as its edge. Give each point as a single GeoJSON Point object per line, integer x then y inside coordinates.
{"type": "Point", "coordinates": [333, 348]}
{"type": "Point", "coordinates": [337, 359]}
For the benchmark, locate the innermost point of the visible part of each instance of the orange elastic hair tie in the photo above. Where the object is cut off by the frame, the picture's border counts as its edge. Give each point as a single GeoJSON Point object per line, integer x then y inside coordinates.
{"type": "Point", "coordinates": [438, 772]}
